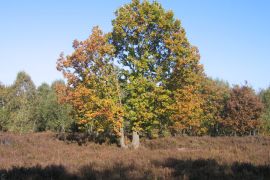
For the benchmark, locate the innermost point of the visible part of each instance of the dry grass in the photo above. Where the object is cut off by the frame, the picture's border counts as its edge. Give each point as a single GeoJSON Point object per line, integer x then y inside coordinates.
{"type": "Point", "coordinates": [43, 156]}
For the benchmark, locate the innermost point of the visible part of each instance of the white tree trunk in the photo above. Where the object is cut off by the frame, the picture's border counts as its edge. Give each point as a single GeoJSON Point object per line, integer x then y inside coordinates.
{"type": "Point", "coordinates": [122, 138]}
{"type": "Point", "coordinates": [135, 139]}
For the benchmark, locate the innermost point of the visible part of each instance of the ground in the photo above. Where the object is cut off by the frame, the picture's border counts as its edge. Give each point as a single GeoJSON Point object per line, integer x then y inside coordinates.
{"type": "Point", "coordinates": [44, 156]}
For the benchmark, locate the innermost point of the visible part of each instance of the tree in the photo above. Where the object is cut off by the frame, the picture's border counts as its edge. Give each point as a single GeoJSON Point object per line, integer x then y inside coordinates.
{"type": "Point", "coordinates": [52, 115]}
{"type": "Point", "coordinates": [242, 111]}
{"type": "Point", "coordinates": [185, 82]}
{"type": "Point", "coordinates": [43, 106]}
{"type": "Point", "coordinates": [21, 105]}
{"type": "Point", "coordinates": [265, 98]}
{"type": "Point", "coordinates": [146, 107]}
{"type": "Point", "coordinates": [92, 85]}
{"type": "Point", "coordinates": [187, 116]}
{"type": "Point", "coordinates": [215, 94]}
{"type": "Point", "coordinates": [153, 50]}
{"type": "Point", "coordinates": [3, 107]}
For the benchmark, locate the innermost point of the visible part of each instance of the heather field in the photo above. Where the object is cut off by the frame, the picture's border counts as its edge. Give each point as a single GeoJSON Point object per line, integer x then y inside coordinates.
{"type": "Point", "coordinates": [45, 156]}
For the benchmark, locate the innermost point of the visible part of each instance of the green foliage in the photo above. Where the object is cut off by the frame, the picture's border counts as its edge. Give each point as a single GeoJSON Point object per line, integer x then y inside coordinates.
{"type": "Point", "coordinates": [215, 94]}
{"type": "Point", "coordinates": [141, 35]}
{"type": "Point", "coordinates": [21, 104]}
{"type": "Point", "coordinates": [52, 115]}
{"type": "Point", "coordinates": [23, 108]}
{"type": "Point", "coordinates": [147, 107]}
{"type": "Point", "coordinates": [265, 98]}
{"type": "Point", "coordinates": [266, 122]}
{"type": "Point", "coordinates": [3, 108]}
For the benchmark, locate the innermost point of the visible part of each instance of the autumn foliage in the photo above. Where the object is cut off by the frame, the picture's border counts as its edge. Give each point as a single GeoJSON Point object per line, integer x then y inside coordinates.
{"type": "Point", "coordinates": [243, 111]}
{"type": "Point", "coordinates": [92, 85]}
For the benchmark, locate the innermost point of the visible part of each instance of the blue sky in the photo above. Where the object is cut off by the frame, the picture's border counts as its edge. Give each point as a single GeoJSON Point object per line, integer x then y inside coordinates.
{"type": "Point", "coordinates": [233, 36]}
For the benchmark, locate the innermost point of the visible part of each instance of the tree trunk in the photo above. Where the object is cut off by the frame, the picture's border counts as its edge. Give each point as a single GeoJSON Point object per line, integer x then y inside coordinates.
{"type": "Point", "coordinates": [254, 132]}
{"type": "Point", "coordinates": [135, 139]}
{"type": "Point", "coordinates": [122, 139]}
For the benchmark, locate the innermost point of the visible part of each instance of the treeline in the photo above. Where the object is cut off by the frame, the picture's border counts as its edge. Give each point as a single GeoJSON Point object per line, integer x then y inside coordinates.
{"type": "Point", "coordinates": [25, 108]}
{"type": "Point", "coordinates": [143, 78]}
{"type": "Point", "coordinates": [226, 110]}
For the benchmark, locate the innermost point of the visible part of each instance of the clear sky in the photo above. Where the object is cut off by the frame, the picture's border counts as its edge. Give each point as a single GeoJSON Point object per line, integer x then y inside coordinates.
{"type": "Point", "coordinates": [233, 36]}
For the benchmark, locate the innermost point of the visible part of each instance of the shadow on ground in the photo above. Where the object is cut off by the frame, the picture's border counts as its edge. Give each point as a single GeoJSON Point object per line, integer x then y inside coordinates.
{"type": "Point", "coordinates": [210, 169]}
{"type": "Point", "coordinates": [178, 169]}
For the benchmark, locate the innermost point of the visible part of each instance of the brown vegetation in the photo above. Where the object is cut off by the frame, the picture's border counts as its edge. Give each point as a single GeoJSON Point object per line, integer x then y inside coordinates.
{"type": "Point", "coordinates": [44, 156]}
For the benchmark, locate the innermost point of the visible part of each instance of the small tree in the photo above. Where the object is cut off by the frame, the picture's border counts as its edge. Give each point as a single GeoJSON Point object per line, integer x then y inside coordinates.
{"type": "Point", "coordinates": [242, 111]}
{"type": "Point", "coordinates": [3, 107]}
{"type": "Point", "coordinates": [21, 105]}
{"type": "Point", "coordinates": [92, 85]}
{"type": "Point", "coordinates": [52, 115]}
{"type": "Point", "coordinates": [265, 98]}
{"type": "Point", "coordinates": [187, 118]}
{"type": "Point", "coordinates": [215, 94]}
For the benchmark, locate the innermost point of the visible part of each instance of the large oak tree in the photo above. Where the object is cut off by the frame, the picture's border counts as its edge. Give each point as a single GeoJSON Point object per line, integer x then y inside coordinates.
{"type": "Point", "coordinates": [157, 61]}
